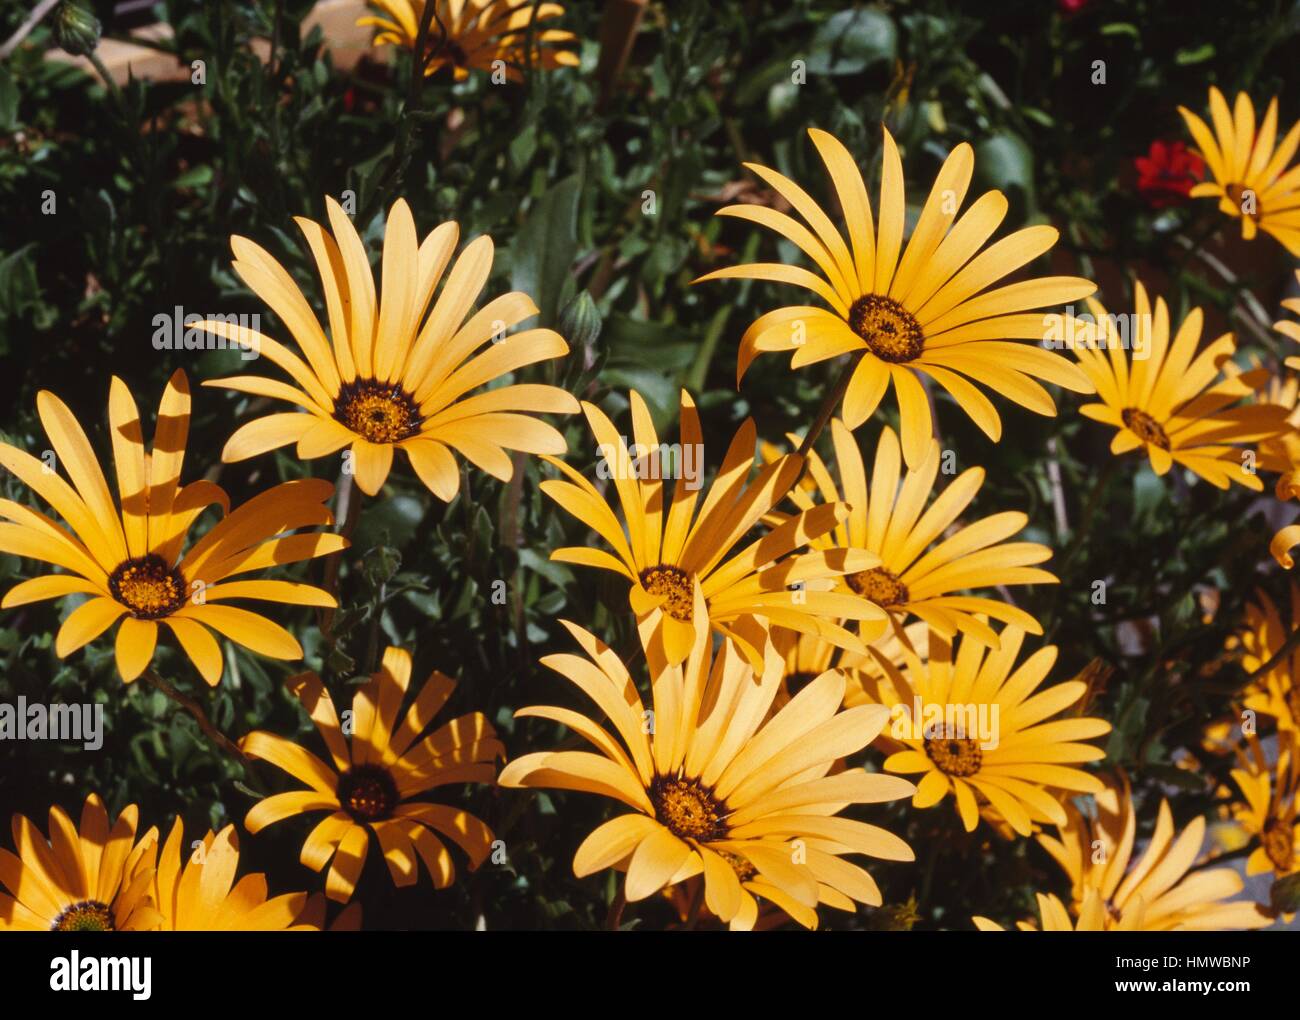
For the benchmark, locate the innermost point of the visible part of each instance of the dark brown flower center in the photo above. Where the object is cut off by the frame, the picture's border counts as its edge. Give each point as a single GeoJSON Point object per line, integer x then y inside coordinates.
{"type": "Point", "coordinates": [743, 869]}
{"type": "Point", "coordinates": [889, 330]}
{"type": "Point", "coordinates": [1237, 196]}
{"type": "Point", "coordinates": [148, 587]}
{"type": "Point", "coordinates": [368, 793]}
{"type": "Point", "coordinates": [1145, 427]}
{"type": "Point", "coordinates": [675, 586]}
{"type": "Point", "coordinates": [376, 411]}
{"type": "Point", "coordinates": [88, 915]}
{"type": "Point", "coordinates": [1278, 839]}
{"type": "Point", "coordinates": [687, 808]}
{"type": "Point", "coordinates": [957, 756]}
{"type": "Point", "coordinates": [879, 585]}
{"type": "Point", "coordinates": [796, 682]}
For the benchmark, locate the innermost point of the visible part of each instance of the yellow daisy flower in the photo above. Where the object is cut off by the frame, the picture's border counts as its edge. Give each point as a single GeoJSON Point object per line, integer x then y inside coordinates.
{"type": "Point", "coordinates": [663, 555]}
{"type": "Point", "coordinates": [95, 878]}
{"type": "Point", "coordinates": [686, 899]}
{"type": "Point", "coordinates": [200, 893]}
{"type": "Point", "coordinates": [1165, 399]}
{"type": "Point", "coordinates": [867, 676]}
{"type": "Point", "coordinates": [926, 313]}
{"type": "Point", "coordinates": [386, 381]}
{"type": "Point", "coordinates": [482, 35]}
{"type": "Point", "coordinates": [1283, 541]}
{"type": "Point", "coordinates": [376, 773]}
{"type": "Point", "coordinates": [1159, 892]}
{"type": "Point", "coordinates": [1092, 917]}
{"type": "Point", "coordinates": [1289, 328]}
{"type": "Point", "coordinates": [806, 657]}
{"type": "Point", "coordinates": [1275, 694]}
{"type": "Point", "coordinates": [313, 915]}
{"type": "Point", "coordinates": [1251, 178]}
{"type": "Point", "coordinates": [1269, 811]}
{"type": "Point", "coordinates": [923, 562]}
{"type": "Point", "coordinates": [716, 787]}
{"type": "Point", "coordinates": [972, 724]}
{"type": "Point", "coordinates": [1281, 453]}
{"type": "Point", "coordinates": [129, 560]}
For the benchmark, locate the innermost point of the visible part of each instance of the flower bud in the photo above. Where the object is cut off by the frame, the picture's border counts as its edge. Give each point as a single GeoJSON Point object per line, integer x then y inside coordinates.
{"type": "Point", "coordinates": [580, 324]}
{"type": "Point", "coordinates": [76, 29]}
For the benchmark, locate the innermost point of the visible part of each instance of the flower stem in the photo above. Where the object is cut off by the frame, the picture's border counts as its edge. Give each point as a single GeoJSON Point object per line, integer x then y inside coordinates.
{"type": "Point", "coordinates": [831, 401]}
{"type": "Point", "coordinates": [222, 742]}
{"type": "Point", "coordinates": [697, 905]}
{"type": "Point", "coordinates": [1078, 540]}
{"type": "Point", "coordinates": [1254, 316]}
{"type": "Point", "coordinates": [109, 83]}
{"type": "Point", "coordinates": [615, 916]}
{"type": "Point", "coordinates": [395, 172]}
{"type": "Point", "coordinates": [348, 500]}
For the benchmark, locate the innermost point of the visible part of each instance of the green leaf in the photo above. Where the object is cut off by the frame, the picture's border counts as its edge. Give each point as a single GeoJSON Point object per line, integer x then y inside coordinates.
{"type": "Point", "coordinates": [1194, 55]}
{"type": "Point", "coordinates": [849, 42]}
{"type": "Point", "coordinates": [1005, 162]}
{"type": "Point", "coordinates": [522, 147]}
{"type": "Point", "coordinates": [389, 522]}
{"type": "Point", "coordinates": [195, 177]}
{"type": "Point", "coordinates": [545, 247]}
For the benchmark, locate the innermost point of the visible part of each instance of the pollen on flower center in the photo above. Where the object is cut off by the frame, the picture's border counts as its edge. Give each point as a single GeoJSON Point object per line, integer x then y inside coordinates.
{"type": "Point", "coordinates": [368, 793]}
{"type": "Point", "coordinates": [743, 868]}
{"type": "Point", "coordinates": [673, 585]}
{"type": "Point", "coordinates": [890, 331]}
{"type": "Point", "coordinates": [687, 808]}
{"type": "Point", "coordinates": [88, 915]}
{"type": "Point", "coordinates": [1279, 843]}
{"type": "Point", "coordinates": [956, 756]}
{"type": "Point", "coordinates": [1145, 427]}
{"type": "Point", "coordinates": [879, 585]}
{"type": "Point", "coordinates": [378, 412]}
{"type": "Point", "coordinates": [148, 587]}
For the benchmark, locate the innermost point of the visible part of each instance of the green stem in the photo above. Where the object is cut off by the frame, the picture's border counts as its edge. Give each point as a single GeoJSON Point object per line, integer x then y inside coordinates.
{"type": "Point", "coordinates": [614, 919]}
{"type": "Point", "coordinates": [830, 402]}
{"type": "Point", "coordinates": [109, 83]}
{"type": "Point", "coordinates": [396, 170]}
{"type": "Point", "coordinates": [348, 499]}
{"type": "Point", "coordinates": [219, 739]}
{"type": "Point", "coordinates": [1078, 540]}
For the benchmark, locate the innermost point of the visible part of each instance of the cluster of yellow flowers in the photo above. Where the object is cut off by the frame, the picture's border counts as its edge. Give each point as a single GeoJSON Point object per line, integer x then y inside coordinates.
{"type": "Point", "coordinates": [790, 615]}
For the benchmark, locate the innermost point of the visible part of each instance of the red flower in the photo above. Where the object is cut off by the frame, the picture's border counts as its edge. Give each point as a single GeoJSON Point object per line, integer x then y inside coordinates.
{"type": "Point", "coordinates": [1072, 6]}
{"type": "Point", "coordinates": [1166, 173]}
